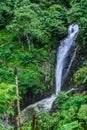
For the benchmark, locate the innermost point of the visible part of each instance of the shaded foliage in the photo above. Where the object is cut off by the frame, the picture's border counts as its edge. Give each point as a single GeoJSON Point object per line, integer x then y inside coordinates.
{"type": "Point", "coordinates": [80, 77]}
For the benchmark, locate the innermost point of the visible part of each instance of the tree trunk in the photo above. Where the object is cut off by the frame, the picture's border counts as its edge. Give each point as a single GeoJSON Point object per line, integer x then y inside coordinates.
{"type": "Point", "coordinates": [18, 103]}
{"type": "Point", "coordinates": [28, 40]}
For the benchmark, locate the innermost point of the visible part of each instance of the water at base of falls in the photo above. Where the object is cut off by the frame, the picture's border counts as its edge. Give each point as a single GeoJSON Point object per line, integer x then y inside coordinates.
{"type": "Point", "coordinates": [44, 105]}
{"type": "Point", "coordinates": [60, 74]}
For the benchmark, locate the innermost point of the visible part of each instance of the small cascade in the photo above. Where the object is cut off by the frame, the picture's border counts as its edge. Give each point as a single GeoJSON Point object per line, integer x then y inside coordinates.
{"type": "Point", "coordinates": [44, 105]}
{"type": "Point", "coordinates": [65, 57]}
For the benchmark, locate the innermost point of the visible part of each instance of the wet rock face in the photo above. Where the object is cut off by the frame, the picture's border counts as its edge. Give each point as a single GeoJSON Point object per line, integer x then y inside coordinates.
{"type": "Point", "coordinates": [80, 57]}
{"type": "Point", "coordinates": [27, 115]}
{"type": "Point", "coordinates": [5, 119]}
{"type": "Point", "coordinates": [65, 78]}
{"type": "Point", "coordinates": [81, 89]}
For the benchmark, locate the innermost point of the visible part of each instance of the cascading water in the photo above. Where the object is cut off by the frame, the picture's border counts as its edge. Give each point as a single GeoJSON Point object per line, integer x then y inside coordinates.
{"type": "Point", "coordinates": [66, 51]}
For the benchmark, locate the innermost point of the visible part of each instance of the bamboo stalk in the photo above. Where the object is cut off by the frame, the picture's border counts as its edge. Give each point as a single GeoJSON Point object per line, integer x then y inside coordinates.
{"type": "Point", "coordinates": [18, 101]}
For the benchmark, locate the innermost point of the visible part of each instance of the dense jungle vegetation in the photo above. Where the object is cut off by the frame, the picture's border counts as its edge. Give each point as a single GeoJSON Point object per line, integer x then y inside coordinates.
{"type": "Point", "coordinates": [30, 32]}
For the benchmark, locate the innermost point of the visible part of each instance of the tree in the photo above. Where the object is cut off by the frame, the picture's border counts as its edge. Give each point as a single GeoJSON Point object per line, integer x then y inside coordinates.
{"type": "Point", "coordinates": [6, 12]}
{"type": "Point", "coordinates": [18, 101]}
{"type": "Point", "coordinates": [78, 14]}
{"type": "Point", "coordinates": [27, 24]}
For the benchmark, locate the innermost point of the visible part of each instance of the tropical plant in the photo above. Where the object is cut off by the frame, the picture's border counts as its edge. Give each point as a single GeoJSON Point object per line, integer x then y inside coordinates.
{"type": "Point", "coordinates": [7, 97]}
{"type": "Point", "coordinates": [80, 76]}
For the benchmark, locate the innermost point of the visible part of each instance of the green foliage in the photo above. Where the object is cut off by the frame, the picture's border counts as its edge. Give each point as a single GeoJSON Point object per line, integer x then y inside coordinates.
{"type": "Point", "coordinates": [72, 114]}
{"type": "Point", "coordinates": [30, 64]}
{"type": "Point", "coordinates": [7, 98]}
{"type": "Point", "coordinates": [78, 14]}
{"type": "Point", "coordinates": [34, 57]}
{"type": "Point", "coordinates": [82, 113]}
{"type": "Point", "coordinates": [46, 3]}
{"type": "Point", "coordinates": [61, 98]}
{"type": "Point", "coordinates": [7, 75]}
{"type": "Point", "coordinates": [30, 33]}
{"type": "Point", "coordinates": [5, 12]}
{"type": "Point", "coordinates": [30, 80]}
{"type": "Point", "coordinates": [27, 23]}
{"type": "Point", "coordinates": [2, 127]}
{"type": "Point", "coordinates": [55, 20]}
{"type": "Point", "coordinates": [38, 25]}
{"type": "Point", "coordinates": [72, 126]}
{"type": "Point", "coordinates": [26, 126]}
{"type": "Point", "coordinates": [75, 101]}
{"type": "Point", "coordinates": [47, 122]}
{"type": "Point", "coordinates": [80, 77]}
{"type": "Point", "coordinates": [69, 107]}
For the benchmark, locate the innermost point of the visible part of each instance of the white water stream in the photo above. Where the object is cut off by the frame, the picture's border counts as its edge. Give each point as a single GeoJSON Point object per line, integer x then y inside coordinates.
{"type": "Point", "coordinates": [62, 54]}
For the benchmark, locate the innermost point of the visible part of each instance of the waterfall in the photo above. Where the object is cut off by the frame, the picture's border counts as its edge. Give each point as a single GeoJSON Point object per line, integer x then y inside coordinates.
{"type": "Point", "coordinates": [65, 56]}
{"type": "Point", "coordinates": [65, 52]}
